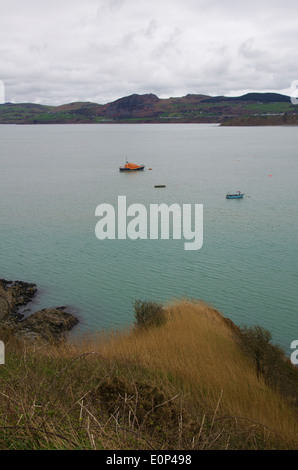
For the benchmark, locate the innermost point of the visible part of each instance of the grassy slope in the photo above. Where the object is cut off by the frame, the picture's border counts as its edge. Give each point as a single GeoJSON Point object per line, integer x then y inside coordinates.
{"type": "Point", "coordinates": [184, 385]}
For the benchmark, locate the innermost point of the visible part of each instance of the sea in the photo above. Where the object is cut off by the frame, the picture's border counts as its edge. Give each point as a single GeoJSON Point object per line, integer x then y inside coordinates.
{"type": "Point", "coordinates": [53, 177]}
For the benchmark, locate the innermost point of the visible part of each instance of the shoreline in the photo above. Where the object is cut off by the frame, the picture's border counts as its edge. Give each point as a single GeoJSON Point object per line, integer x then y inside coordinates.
{"type": "Point", "coordinates": [43, 325]}
{"type": "Point", "coordinates": [217, 123]}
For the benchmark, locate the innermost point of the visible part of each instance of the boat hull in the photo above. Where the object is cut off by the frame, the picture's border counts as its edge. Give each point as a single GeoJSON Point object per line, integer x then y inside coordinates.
{"type": "Point", "coordinates": [234, 196]}
{"type": "Point", "coordinates": [140, 168]}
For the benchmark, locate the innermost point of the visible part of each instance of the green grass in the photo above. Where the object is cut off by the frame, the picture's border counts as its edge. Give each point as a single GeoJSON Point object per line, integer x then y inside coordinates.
{"type": "Point", "coordinates": [271, 107]}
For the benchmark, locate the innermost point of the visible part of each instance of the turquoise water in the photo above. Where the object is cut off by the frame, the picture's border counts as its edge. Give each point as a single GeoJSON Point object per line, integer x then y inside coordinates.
{"type": "Point", "coordinates": [53, 177]}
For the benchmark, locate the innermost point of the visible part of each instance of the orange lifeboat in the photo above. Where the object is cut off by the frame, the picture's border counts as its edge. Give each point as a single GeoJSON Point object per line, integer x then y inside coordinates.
{"type": "Point", "coordinates": [131, 167]}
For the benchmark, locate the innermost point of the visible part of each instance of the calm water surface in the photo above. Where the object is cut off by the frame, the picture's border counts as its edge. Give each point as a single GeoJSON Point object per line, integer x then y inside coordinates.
{"type": "Point", "coordinates": [53, 177]}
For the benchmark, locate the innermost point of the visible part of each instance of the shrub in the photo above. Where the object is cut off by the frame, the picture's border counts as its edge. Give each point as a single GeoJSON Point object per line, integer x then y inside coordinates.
{"type": "Point", "coordinates": [148, 314]}
{"type": "Point", "coordinates": [270, 361]}
{"type": "Point", "coordinates": [255, 341]}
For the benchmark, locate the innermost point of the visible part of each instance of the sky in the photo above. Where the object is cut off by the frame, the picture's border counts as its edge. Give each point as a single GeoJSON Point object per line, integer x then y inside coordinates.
{"type": "Point", "coordinates": [60, 51]}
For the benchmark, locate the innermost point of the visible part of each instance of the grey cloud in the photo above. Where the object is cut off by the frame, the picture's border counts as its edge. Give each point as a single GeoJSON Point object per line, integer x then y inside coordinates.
{"type": "Point", "coordinates": [151, 28]}
{"type": "Point", "coordinates": [169, 46]}
{"type": "Point", "coordinates": [109, 6]}
{"type": "Point", "coordinates": [248, 50]}
{"type": "Point", "coordinates": [101, 50]}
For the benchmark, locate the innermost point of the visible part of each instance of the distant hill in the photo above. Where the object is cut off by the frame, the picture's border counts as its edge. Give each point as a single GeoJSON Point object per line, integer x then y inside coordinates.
{"type": "Point", "coordinates": [259, 97]}
{"type": "Point", "coordinates": [250, 109]}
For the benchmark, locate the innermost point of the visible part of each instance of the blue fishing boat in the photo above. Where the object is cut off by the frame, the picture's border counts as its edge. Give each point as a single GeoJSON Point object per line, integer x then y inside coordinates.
{"type": "Point", "coordinates": [238, 195]}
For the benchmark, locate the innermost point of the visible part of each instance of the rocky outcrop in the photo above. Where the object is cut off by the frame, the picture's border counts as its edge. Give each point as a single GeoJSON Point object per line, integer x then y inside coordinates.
{"type": "Point", "coordinates": [47, 324]}
{"type": "Point", "coordinates": [132, 106]}
{"type": "Point", "coordinates": [14, 294]}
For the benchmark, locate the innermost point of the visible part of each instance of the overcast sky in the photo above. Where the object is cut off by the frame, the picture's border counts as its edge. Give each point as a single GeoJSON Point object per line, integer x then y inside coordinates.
{"type": "Point", "coordinates": [58, 51]}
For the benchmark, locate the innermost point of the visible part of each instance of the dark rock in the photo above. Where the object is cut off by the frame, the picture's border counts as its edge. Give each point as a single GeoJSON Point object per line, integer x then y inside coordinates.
{"type": "Point", "coordinates": [14, 294]}
{"type": "Point", "coordinates": [47, 324]}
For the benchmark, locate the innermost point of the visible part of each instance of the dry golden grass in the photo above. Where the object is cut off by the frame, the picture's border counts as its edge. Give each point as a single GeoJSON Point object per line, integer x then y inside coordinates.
{"type": "Point", "coordinates": [183, 385]}
{"type": "Point", "coordinates": [197, 350]}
